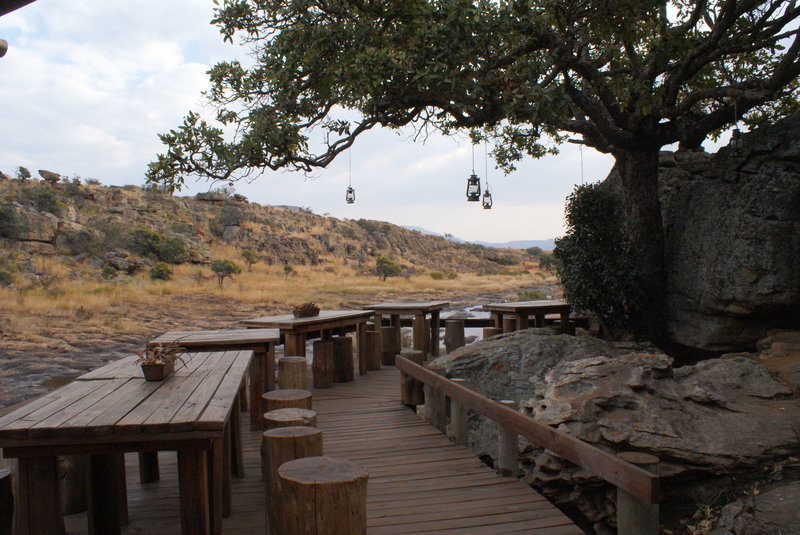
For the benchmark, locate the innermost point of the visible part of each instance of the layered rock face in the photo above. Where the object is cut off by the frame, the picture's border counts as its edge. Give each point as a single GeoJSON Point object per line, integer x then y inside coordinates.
{"type": "Point", "coordinates": [732, 240]}
{"type": "Point", "coordinates": [720, 428]}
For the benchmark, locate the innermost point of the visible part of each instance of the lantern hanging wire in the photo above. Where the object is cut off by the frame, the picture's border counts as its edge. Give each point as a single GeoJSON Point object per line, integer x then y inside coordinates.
{"type": "Point", "coordinates": [473, 182]}
{"type": "Point", "coordinates": [350, 195]}
{"type": "Point", "coordinates": [486, 200]}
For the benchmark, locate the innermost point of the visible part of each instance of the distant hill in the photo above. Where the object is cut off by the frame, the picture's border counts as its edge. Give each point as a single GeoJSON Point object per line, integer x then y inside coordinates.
{"type": "Point", "coordinates": [545, 245]}
{"type": "Point", "coordinates": [130, 226]}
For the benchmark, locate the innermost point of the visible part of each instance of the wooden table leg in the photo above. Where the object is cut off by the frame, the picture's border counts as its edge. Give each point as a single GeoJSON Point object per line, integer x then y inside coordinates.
{"type": "Point", "coordinates": [363, 353]}
{"type": "Point", "coordinates": [148, 467]}
{"type": "Point", "coordinates": [226, 469]}
{"type": "Point", "coordinates": [522, 321]}
{"type": "Point", "coordinates": [108, 507]}
{"type": "Point", "coordinates": [269, 365]}
{"type": "Point", "coordinates": [436, 324]}
{"type": "Point", "coordinates": [215, 466]}
{"type": "Point", "coordinates": [38, 505]}
{"type": "Point", "coordinates": [498, 320]}
{"type": "Point", "coordinates": [193, 483]}
{"type": "Point", "coordinates": [257, 376]}
{"type": "Point", "coordinates": [295, 345]}
{"type": "Point", "coordinates": [237, 454]}
{"type": "Point", "coordinates": [565, 326]}
{"type": "Point", "coordinates": [420, 335]}
{"type": "Point", "coordinates": [539, 320]}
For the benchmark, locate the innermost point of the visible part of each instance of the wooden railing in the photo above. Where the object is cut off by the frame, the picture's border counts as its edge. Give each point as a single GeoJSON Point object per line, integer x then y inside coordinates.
{"type": "Point", "coordinates": [634, 482]}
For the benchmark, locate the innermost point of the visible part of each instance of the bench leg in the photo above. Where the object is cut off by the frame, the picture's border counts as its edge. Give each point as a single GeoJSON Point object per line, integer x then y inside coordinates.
{"type": "Point", "coordinates": [38, 505]}
{"type": "Point", "coordinates": [193, 483]}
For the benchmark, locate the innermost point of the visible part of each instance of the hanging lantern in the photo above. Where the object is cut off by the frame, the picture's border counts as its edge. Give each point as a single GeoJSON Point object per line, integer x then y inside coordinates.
{"type": "Point", "coordinates": [736, 143]}
{"type": "Point", "coordinates": [487, 200]}
{"type": "Point", "coordinates": [350, 196]}
{"type": "Point", "coordinates": [473, 188]}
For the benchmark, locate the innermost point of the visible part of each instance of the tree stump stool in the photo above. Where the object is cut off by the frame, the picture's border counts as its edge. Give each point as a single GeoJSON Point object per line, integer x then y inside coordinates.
{"type": "Point", "coordinates": [390, 340]}
{"type": "Point", "coordinates": [342, 359]}
{"type": "Point", "coordinates": [287, 399]}
{"type": "Point", "coordinates": [322, 496]}
{"type": "Point", "coordinates": [292, 373]}
{"type": "Point", "coordinates": [6, 502]}
{"type": "Point", "coordinates": [411, 391]}
{"type": "Point", "coordinates": [289, 418]}
{"type": "Point", "coordinates": [322, 365]}
{"type": "Point", "coordinates": [453, 335]}
{"type": "Point", "coordinates": [277, 447]}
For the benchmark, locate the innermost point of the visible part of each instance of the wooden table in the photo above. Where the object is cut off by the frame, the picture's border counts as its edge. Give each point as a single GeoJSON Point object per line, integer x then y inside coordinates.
{"type": "Point", "coordinates": [295, 330]}
{"type": "Point", "coordinates": [522, 310]}
{"type": "Point", "coordinates": [426, 340]}
{"type": "Point", "coordinates": [261, 341]}
{"type": "Point", "coordinates": [113, 410]}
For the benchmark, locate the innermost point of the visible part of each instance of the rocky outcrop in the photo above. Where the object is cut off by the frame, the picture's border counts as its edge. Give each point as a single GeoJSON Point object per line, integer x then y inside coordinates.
{"type": "Point", "coordinates": [49, 176]}
{"type": "Point", "coordinates": [31, 224]}
{"type": "Point", "coordinates": [732, 233]}
{"type": "Point", "coordinates": [775, 512]}
{"type": "Point", "coordinates": [719, 427]}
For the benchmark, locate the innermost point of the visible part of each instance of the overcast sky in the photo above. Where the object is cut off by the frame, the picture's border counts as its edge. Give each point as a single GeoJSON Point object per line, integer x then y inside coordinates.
{"type": "Point", "coordinates": [86, 86]}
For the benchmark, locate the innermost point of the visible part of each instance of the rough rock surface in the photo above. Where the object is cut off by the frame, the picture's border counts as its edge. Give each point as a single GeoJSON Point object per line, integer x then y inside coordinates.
{"type": "Point", "coordinates": [770, 513]}
{"type": "Point", "coordinates": [732, 238]}
{"type": "Point", "coordinates": [718, 427]}
{"type": "Point", "coordinates": [33, 224]}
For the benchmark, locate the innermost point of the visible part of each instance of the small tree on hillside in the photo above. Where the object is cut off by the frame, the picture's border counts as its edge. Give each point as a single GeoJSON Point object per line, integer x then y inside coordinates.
{"type": "Point", "coordinates": [23, 173]}
{"type": "Point", "coordinates": [250, 258]}
{"type": "Point", "coordinates": [287, 270]}
{"type": "Point", "coordinates": [386, 267]}
{"type": "Point", "coordinates": [224, 268]}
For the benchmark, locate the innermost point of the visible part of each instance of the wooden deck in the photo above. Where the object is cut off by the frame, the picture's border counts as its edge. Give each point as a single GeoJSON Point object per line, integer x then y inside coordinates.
{"type": "Point", "coordinates": [419, 482]}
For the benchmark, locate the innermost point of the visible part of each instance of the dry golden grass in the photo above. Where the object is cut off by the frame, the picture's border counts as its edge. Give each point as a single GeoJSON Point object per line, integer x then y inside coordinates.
{"type": "Point", "coordinates": [112, 306]}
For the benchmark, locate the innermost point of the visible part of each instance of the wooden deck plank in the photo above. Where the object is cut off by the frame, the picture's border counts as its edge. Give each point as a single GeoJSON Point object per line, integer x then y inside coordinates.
{"type": "Point", "coordinates": [419, 481]}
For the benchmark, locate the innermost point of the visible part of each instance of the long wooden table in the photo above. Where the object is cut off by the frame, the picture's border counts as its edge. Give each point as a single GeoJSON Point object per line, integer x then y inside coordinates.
{"type": "Point", "coordinates": [522, 310]}
{"type": "Point", "coordinates": [425, 339]}
{"type": "Point", "coordinates": [113, 410]}
{"type": "Point", "coordinates": [295, 330]}
{"type": "Point", "coordinates": [261, 341]}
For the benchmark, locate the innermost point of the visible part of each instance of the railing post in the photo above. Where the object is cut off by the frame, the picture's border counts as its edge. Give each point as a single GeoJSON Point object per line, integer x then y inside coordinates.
{"type": "Point", "coordinates": [508, 447]}
{"type": "Point", "coordinates": [436, 403]}
{"type": "Point", "coordinates": [635, 517]}
{"type": "Point", "coordinates": [457, 431]}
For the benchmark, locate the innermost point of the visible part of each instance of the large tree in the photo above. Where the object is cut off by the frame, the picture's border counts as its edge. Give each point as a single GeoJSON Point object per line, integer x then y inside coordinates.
{"type": "Point", "coordinates": [627, 76]}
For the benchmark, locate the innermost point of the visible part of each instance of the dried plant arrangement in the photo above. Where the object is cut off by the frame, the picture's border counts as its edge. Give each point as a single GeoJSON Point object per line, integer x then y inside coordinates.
{"type": "Point", "coordinates": [306, 310]}
{"type": "Point", "coordinates": [158, 360]}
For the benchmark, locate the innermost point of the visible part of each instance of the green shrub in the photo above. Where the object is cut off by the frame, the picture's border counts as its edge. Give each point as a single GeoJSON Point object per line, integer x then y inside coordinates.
{"type": "Point", "coordinates": [547, 262]}
{"type": "Point", "coordinates": [508, 260]}
{"type": "Point", "coordinates": [530, 295]}
{"type": "Point", "coordinates": [41, 198]}
{"type": "Point", "coordinates": [437, 275]}
{"type": "Point", "coordinates": [9, 225]}
{"type": "Point", "coordinates": [9, 265]}
{"type": "Point", "coordinates": [250, 258]}
{"type": "Point", "coordinates": [535, 252]}
{"type": "Point", "coordinates": [160, 271]}
{"type": "Point", "coordinates": [452, 275]}
{"type": "Point", "coordinates": [23, 173]}
{"type": "Point", "coordinates": [224, 268]}
{"type": "Point", "coordinates": [173, 251]}
{"type": "Point", "coordinates": [593, 260]}
{"type": "Point", "coordinates": [386, 267]}
{"type": "Point", "coordinates": [109, 272]}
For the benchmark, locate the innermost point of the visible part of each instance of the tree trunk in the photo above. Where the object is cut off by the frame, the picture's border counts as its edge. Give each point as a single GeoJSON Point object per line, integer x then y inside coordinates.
{"type": "Point", "coordinates": [637, 185]}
